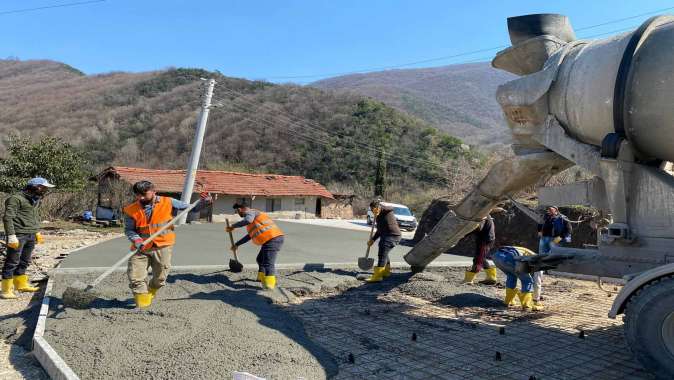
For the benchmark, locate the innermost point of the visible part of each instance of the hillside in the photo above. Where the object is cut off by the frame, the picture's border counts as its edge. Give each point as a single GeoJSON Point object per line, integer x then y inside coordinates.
{"type": "Point", "coordinates": [147, 119]}
{"type": "Point", "coordinates": [457, 99]}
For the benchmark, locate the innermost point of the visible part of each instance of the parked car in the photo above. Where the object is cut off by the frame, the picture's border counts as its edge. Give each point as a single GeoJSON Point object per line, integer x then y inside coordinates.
{"type": "Point", "coordinates": [404, 216]}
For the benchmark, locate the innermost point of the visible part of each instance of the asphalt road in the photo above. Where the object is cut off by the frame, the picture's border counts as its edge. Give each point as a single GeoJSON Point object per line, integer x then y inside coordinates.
{"type": "Point", "coordinates": [208, 244]}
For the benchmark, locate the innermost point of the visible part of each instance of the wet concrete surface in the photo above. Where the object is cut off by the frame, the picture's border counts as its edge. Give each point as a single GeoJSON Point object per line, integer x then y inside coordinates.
{"type": "Point", "coordinates": [208, 244]}
{"type": "Point", "coordinates": [326, 324]}
{"type": "Point", "coordinates": [200, 326]}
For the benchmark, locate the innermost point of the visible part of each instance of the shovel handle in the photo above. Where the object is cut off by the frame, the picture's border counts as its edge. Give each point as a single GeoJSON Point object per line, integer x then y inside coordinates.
{"type": "Point", "coordinates": [146, 241]}
{"type": "Point", "coordinates": [231, 240]}
{"type": "Point", "coordinates": [367, 252]}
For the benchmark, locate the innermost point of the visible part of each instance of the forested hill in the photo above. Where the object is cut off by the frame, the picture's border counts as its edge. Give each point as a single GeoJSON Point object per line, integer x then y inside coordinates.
{"type": "Point", "coordinates": [148, 119]}
{"type": "Point", "coordinates": [458, 99]}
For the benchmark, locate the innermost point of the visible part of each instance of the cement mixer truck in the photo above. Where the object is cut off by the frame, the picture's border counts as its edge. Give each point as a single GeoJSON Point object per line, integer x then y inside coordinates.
{"type": "Point", "coordinates": [607, 106]}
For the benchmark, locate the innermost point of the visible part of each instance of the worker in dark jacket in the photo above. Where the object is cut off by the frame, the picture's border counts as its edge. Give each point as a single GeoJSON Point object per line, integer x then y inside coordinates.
{"type": "Point", "coordinates": [485, 235]}
{"type": "Point", "coordinates": [22, 230]}
{"type": "Point", "coordinates": [554, 229]}
{"type": "Point", "coordinates": [389, 236]}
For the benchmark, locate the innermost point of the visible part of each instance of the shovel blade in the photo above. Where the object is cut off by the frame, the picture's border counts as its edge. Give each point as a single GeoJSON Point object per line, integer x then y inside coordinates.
{"type": "Point", "coordinates": [365, 263]}
{"type": "Point", "coordinates": [235, 266]}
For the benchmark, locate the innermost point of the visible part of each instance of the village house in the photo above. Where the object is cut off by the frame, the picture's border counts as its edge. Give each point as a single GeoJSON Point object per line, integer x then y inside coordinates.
{"type": "Point", "coordinates": [280, 195]}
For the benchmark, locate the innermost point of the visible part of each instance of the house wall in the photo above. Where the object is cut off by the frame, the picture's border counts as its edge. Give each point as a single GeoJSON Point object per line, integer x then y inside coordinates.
{"type": "Point", "coordinates": [223, 205]}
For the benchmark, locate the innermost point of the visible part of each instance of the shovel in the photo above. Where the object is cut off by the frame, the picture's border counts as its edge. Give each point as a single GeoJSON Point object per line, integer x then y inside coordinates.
{"type": "Point", "coordinates": [234, 264]}
{"type": "Point", "coordinates": [366, 263]}
{"type": "Point", "coordinates": [79, 295]}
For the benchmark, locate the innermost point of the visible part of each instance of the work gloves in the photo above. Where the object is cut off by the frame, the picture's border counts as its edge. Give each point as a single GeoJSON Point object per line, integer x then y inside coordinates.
{"type": "Point", "coordinates": [38, 238]}
{"type": "Point", "coordinates": [557, 240]}
{"type": "Point", "coordinates": [234, 248]}
{"type": "Point", "coordinates": [12, 242]}
{"type": "Point", "coordinates": [370, 242]}
{"type": "Point", "coordinates": [229, 229]}
{"type": "Point", "coordinates": [138, 243]}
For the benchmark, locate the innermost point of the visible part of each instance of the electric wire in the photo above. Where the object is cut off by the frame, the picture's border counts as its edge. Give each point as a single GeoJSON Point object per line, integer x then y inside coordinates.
{"type": "Point", "coordinates": [24, 10]}
{"type": "Point", "coordinates": [457, 55]}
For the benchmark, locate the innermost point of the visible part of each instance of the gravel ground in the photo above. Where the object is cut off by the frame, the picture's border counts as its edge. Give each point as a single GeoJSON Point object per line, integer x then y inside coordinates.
{"type": "Point", "coordinates": [18, 317]}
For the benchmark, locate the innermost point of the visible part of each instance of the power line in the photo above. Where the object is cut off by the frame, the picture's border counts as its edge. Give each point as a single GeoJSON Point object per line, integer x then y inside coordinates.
{"type": "Point", "coordinates": [50, 7]}
{"type": "Point", "coordinates": [448, 57]}
{"type": "Point", "coordinates": [312, 126]}
{"type": "Point", "coordinates": [624, 19]}
{"type": "Point", "coordinates": [323, 141]}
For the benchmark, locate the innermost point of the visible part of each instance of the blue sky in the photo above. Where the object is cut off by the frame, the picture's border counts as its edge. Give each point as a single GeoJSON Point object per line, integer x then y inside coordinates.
{"type": "Point", "coordinates": [284, 38]}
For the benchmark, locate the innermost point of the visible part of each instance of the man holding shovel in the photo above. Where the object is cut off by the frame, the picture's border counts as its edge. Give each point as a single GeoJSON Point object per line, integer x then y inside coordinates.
{"type": "Point", "coordinates": [389, 236]}
{"type": "Point", "coordinates": [264, 232]}
{"type": "Point", "coordinates": [21, 228]}
{"type": "Point", "coordinates": [144, 217]}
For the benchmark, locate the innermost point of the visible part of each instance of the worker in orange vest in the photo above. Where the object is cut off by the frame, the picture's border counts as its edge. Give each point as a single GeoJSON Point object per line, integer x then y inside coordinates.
{"type": "Point", "coordinates": [144, 217]}
{"type": "Point", "coordinates": [264, 232]}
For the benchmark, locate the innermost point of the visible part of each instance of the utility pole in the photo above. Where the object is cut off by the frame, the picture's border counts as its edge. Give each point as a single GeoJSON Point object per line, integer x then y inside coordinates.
{"type": "Point", "coordinates": [193, 164]}
{"type": "Point", "coordinates": [380, 177]}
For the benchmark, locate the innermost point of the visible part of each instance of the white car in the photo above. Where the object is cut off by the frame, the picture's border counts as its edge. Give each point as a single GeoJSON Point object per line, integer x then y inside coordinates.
{"type": "Point", "coordinates": [404, 216]}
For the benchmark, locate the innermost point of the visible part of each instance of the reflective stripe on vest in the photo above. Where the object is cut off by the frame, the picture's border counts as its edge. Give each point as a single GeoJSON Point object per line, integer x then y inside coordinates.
{"type": "Point", "coordinates": [161, 215]}
{"type": "Point", "coordinates": [263, 229]}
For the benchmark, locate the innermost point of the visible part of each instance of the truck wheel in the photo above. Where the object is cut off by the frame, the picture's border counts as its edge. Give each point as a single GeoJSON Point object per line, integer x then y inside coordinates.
{"type": "Point", "coordinates": [649, 326]}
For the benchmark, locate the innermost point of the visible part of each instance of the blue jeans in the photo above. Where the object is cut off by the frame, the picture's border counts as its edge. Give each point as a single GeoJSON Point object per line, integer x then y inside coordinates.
{"type": "Point", "coordinates": [545, 244]}
{"type": "Point", "coordinates": [386, 244]}
{"type": "Point", "coordinates": [266, 259]}
{"type": "Point", "coordinates": [505, 261]}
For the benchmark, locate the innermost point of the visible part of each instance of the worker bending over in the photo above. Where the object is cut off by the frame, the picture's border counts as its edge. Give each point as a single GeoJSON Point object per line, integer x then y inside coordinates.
{"type": "Point", "coordinates": [389, 236]}
{"type": "Point", "coordinates": [504, 258]}
{"type": "Point", "coordinates": [264, 232]}
{"type": "Point", "coordinates": [485, 235]}
{"type": "Point", "coordinates": [144, 217]}
{"type": "Point", "coordinates": [21, 229]}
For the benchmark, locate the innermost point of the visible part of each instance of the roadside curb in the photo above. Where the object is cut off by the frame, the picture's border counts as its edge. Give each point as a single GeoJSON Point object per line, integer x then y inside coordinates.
{"type": "Point", "coordinates": [45, 354]}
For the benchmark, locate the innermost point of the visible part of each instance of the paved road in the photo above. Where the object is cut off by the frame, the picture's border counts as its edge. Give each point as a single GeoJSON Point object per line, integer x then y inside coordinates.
{"type": "Point", "coordinates": [208, 244]}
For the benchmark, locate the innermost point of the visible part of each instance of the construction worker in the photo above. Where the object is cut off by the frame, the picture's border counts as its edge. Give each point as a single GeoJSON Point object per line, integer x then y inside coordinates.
{"type": "Point", "coordinates": [504, 258]}
{"type": "Point", "coordinates": [21, 229]}
{"type": "Point", "coordinates": [485, 235]}
{"type": "Point", "coordinates": [263, 232]}
{"type": "Point", "coordinates": [554, 229]}
{"type": "Point", "coordinates": [143, 218]}
{"type": "Point", "coordinates": [389, 236]}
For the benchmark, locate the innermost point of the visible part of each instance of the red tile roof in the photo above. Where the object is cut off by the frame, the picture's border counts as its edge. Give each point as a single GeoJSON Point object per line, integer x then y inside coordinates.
{"type": "Point", "coordinates": [220, 182]}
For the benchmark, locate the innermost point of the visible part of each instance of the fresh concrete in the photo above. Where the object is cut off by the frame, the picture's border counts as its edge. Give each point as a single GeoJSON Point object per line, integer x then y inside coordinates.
{"type": "Point", "coordinates": [200, 326]}
{"type": "Point", "coordinates": [208, 244]}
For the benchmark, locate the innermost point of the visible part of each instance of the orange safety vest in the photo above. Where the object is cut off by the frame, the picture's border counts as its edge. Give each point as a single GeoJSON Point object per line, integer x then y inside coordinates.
{"type": "Point", "coordinates": [263, 229]}
{"type": "Point", "coordinates": [161, 215]}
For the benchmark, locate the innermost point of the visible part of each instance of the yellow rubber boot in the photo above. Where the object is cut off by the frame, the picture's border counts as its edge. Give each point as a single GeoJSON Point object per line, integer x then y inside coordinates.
{"type": "Point", "coordinates": [152, 292]}
{"type": "Point", "coordinates": [469, 277]}
{"type": "Point", "coordinates": [527, 301]}
{"type": "Point", "coordinates": [387, 270]}
{"type": "Point", "coordinates": [143, 300]}
{"type": "Point", "coordinates": [538, 306]}
{"type": "Point", "coordinates": [269, 282]}
{"type": "Point", "coordinates": [377, 275]}
{"type": "Point", "coordinates": [510, 297]}
{"type": "Point", "coordinates": [260, 276]}
{"type": "Point", "coordinates": [21, 284]}
{"type": "Point", "coordinates": [491, 277]}
{"type": "Point", "coordinates": [8, 289]}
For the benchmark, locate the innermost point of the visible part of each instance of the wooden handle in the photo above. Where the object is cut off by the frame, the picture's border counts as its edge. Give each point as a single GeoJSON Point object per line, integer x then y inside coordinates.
{"type": "Point", "coordinates": [148, 240]}
{"type": "Point", "coordinates": [231, 240]}
{"type": "Point", "coordinates": [367, 253]}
